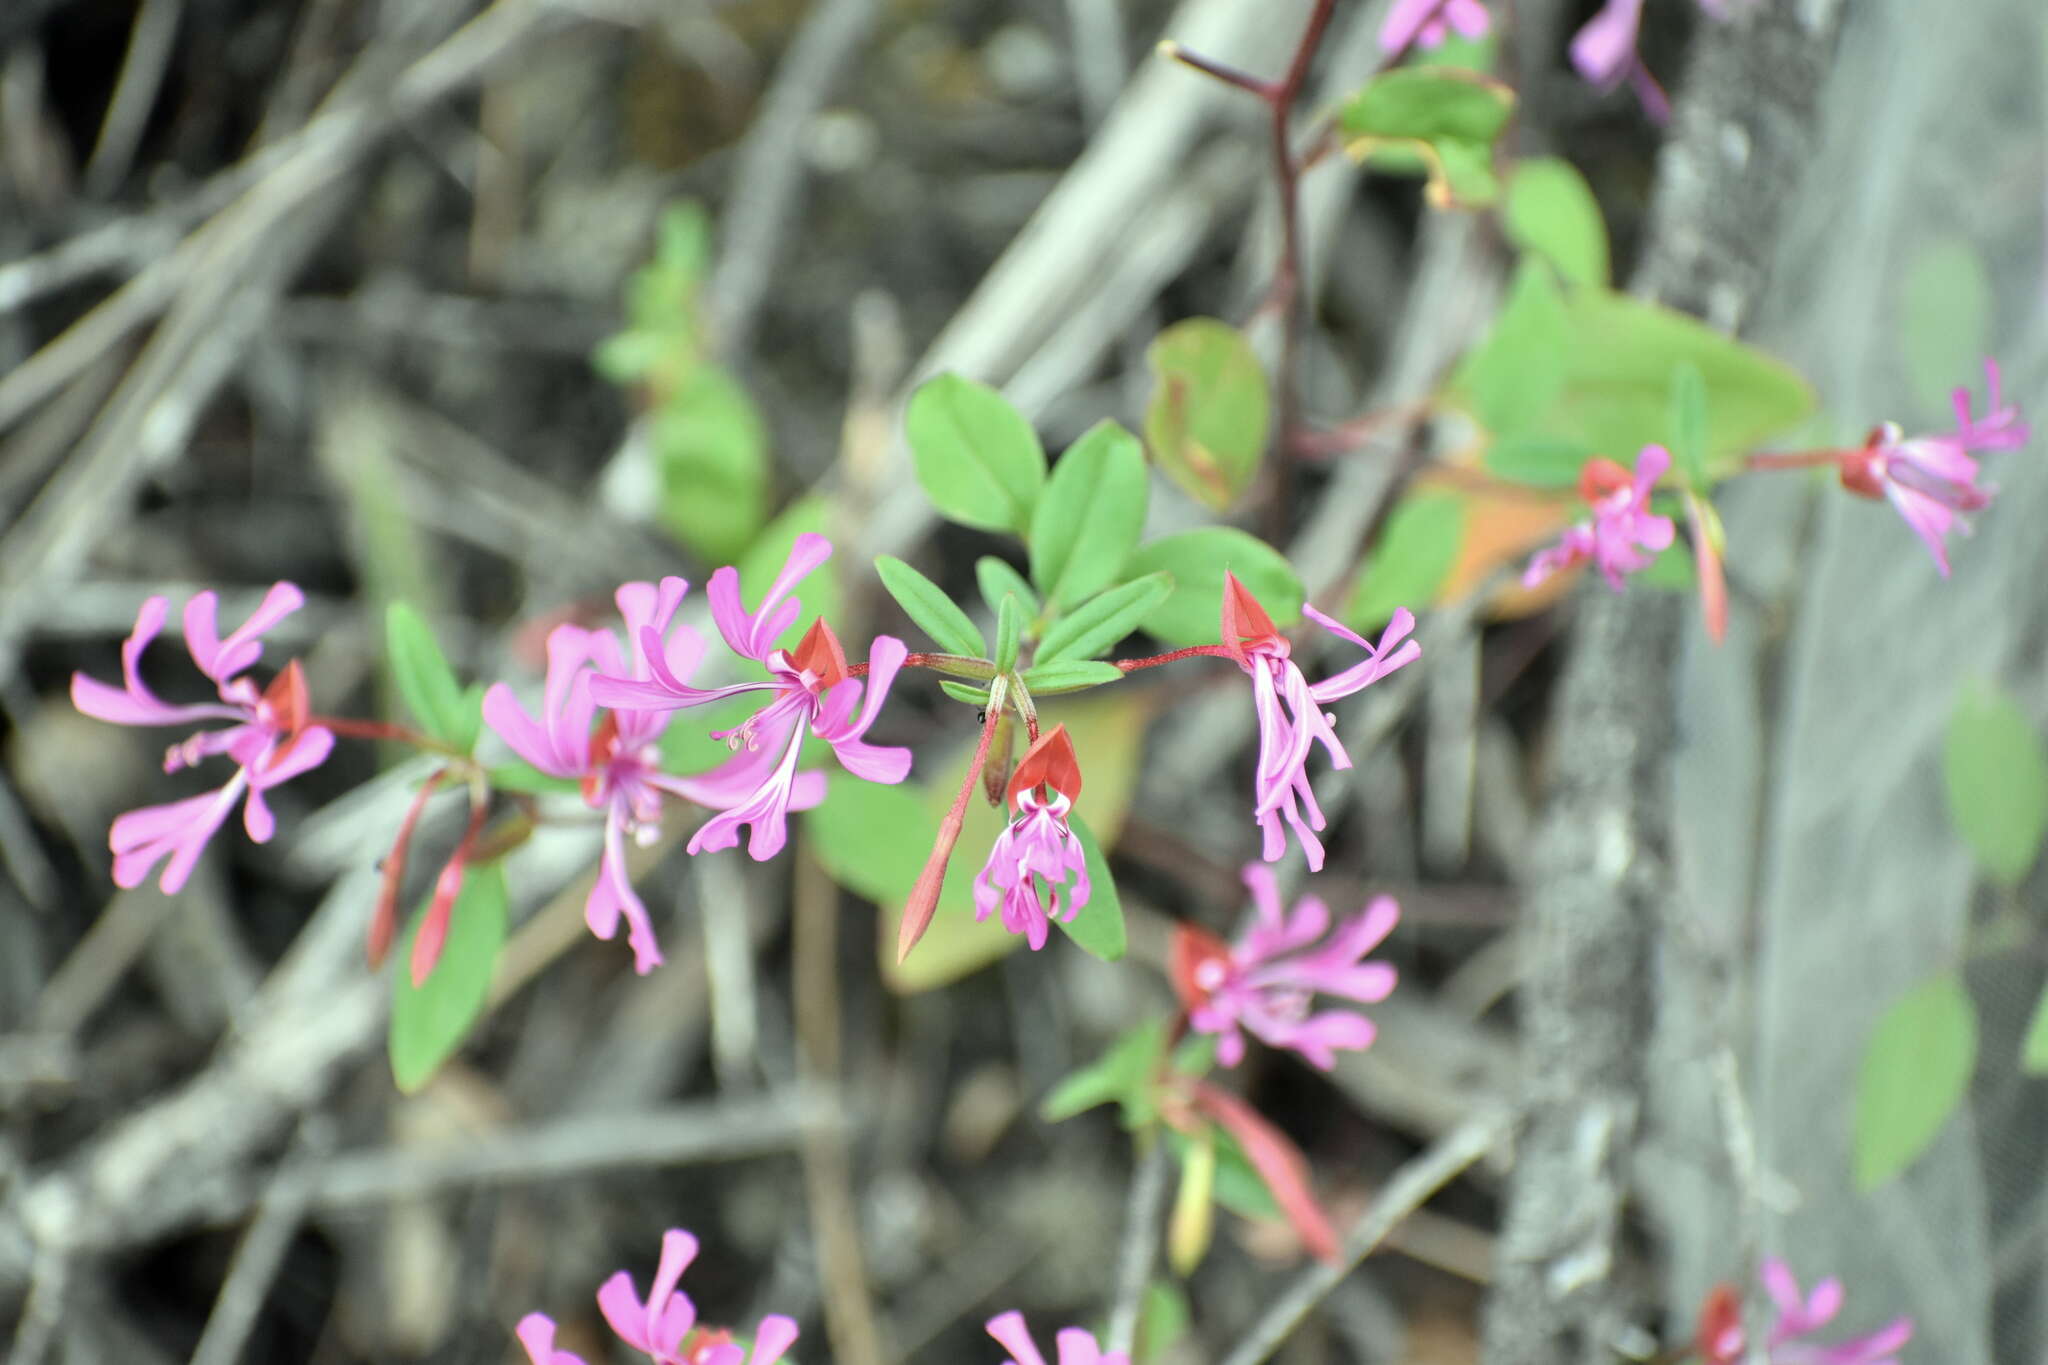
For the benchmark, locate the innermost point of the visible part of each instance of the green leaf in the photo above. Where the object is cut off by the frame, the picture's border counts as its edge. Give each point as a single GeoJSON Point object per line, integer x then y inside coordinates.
{"type": "Point", "coordinates": [1009, 633]}
{"type": "Point", "coordinates": [1192, 1223]}
{"type": "Point", "coordinates": [1089, 519]}
{"type": "Point", "coordinates": [978, 459]}
{"type": "Point", "coordinates": [1689, 424]}
{"type": "Point", "coordinates": [1537, 461]}
{"type": "Point", "coordinates": [1443, 118]}
{"type": "Point", "coordinates": [1515, 375]}
{"type": "Point", "coordinates": [429, 1023]}
{"type": "Point", "coordinates": [1098, 927]}
{"type": "Point", "coordinates": [1105, 619]}
{"type": "Point", "coordinates": [1551, 211]}
{"type": "Point", "coordinates": [1946, 312]}
{"type": "Point", "coordinates": [1672, 569]}
{"type": "Point", "coordinates": [427, 682]}
{"type": "Point", "coordinates": [770, 551]}
{"type": "Point", "coordinates": [959, 691]}
{"type": "Point", "coordinates": [1123, 1075]}
{"type": "Point", "coordinates": [1070, 675]}
{"type": "Point", "coordinates": [1619, 356]}
{"type": "Point", "coordinates": [1916, 1070]}
{"type": "Point", "coordinates": [998, 580]}
{"type": "Point", "coordinates": [1207, 419]}
{"type": "Point", "coordinates": [2034, 1053]}
{"type": "Point", "coordinates": [1193, 614]}
{"type": "Point", "coordinates": [926, 603]}
{"type": "Point", "coordinates": [1997, 782]}
{"type": "Point", "coordinates": [1239, 1186]}
{"type": "Point", "coordinates": [1411, 558]}
{"type": "Point", "coordinates": [521, 776]}
{"type": "Point", "coordinates": [1163, 1319]}
{"type": "Point", "coordinates": [711, 465]}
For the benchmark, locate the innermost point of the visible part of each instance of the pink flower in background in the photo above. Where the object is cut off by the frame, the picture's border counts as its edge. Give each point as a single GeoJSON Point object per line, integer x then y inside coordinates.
{"type": "Point", "coordinates": [664, 1326]}
{"type": "Point", "coordinates": [268, 737]}
{"type": "Point", "coordinates": [1932, 480]}
{"type": "Point", "coordinates": [1624, 536]}
{"type": "Point", "coordinates": [1037, 846]}
{"type": "Point", "coordinates": [1604, 51]}
{"type": "Point", "coordinates": [1721, 1340]}
{"type": "Point", "coordinates": [1426, 23]}
{"type": "Point", "coordinates": [536, 1332]}
{"type": "Point", "coordinates": [1266, 982]}
{"type": "Point", "coordinates": [1291, 716]}
{"type": "Point", "coordinates": [619, 766]}
{"type": "Point", "coordinates": [812, 694]}
{"type": "Point", "coordinates": [1076, 1347]}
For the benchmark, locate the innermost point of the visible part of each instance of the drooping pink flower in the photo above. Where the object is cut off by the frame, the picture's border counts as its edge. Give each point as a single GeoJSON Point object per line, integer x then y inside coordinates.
{"type": "Point", "coordinates": [536, 1332]}
{"type": "Point", "coordinates": [1076, 1346]}
{"type": "Point", "coordinates": [812, 694]}
{"type": "Point", "coordinates": [1291, 716]}
{"type": "Point", "coordinates": [1604, 51]}
{"type": "Point", "coordinates": [1426, 23]}
{"type": "Point", "coordinates": [1266, 983]}
{"type": "Point", "coordinates": [1624, 535]}
{"type": "Point", "coordinates": [664, 1326]}
{"type": "Point", "coordinates": [1037, 852]}
{"type": "Point", "coordinates": [1721, 1340]}
{"type": "Point", "coordinates": [268, 737]}
{"type": "Point", "coordinates": [619, 764]}
{"type": "Point", "coordinates": [1932, 480]}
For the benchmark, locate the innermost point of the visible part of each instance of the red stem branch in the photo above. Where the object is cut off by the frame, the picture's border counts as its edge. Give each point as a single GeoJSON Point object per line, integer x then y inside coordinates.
{"type": "Point", "coordinates": [1174, 656]}
{"type": "Point", "coordinates": [1795, 459]}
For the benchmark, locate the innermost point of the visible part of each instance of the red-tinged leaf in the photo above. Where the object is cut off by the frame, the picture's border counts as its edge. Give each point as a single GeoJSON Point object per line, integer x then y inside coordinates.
{"type": "Point", "coordinates": [1192, 947]}
{"type": "Point", "coordinates": [819, 652]}
{"type": "Point", "coordinates": [1049, 763]}
{"type": "Point", "coordinates": [1243, 618]}
{"type": "Point", "coordinates": [924, 896]}
{"type": "Point", "coordinates": [1279, 1163]}
{"type": "Point", "coordinates": [287, 699]}
{"type": "Point", "coordinates": [426, 948]}
{"type": "Point", "coordinates": [384, 919]}
{"type": "Point", "coordinates": [995, 773]}
{"type": "Point", "coordinates": [1719, 1339]}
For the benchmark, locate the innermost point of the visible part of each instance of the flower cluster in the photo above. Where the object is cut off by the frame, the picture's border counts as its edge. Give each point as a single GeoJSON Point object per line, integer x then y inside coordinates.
{"type": "Point", "coordinates": [1266, 982]}
{"type": "Point", "coordinates": [1721, 1341]}
{"type": "Point", "coordinates": [1932, 480]}
{"type": "Point", "coordinates": [271, 736]}
{"type": "Point", "coordinates": [1623, 535]}
{"type": "Point", "coordinates": [1075, 1345]}
{"type": "Point", "coordinates": [1037, 852]}
{"type": "Point", "coordinates": [1291, 716]}
{"type": "Point", "coordinates": [664, 1326]}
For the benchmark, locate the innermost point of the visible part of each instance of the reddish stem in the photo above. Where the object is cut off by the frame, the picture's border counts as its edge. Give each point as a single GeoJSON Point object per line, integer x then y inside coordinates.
{"type": "Point", "coordinates": [1222, 71]}
{"type": "Point", "coordinates": [860, 670]}
{"type": "Point", "coordinates": [1797, 459]}
{"type": "Point", "coordinates": [1174, 656]}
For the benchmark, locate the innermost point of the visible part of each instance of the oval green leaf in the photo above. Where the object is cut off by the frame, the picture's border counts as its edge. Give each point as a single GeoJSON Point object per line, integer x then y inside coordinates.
{"type": "Point", "coordinates": [1088, 522]}
{"type": "Point", "coordinates": [711, 465]}
{"type": "Point", "coordinates": [1997, 782]}
{"type": "Point", "coordinates": [1097, 927]}
{"type": "Point", "coordinates": [926, 603]}
{"type": "Point", "coordinates": [1551, 211]}
{"type": "Point", "coordinates": [1411, 558]}
{"type": "Point", "coordinates": [430, 1022]}
{"type": "Point", "coordinates": [978, 459]}
{"type": "Point", "coordinates": [437, 701]}
{"type": "Point", "coordinates": [1070, 675]}
{"type": "Point", "coordinates": [997, 580]}
{"type": "Point", "coordinates": [1916, 1070]}
{"type": "Point", "coordinates": [1207, 420]}
{"type": "Point", "coordinates": [1105, 619]}
{"type": "Point", "coordinates": [2034, 1052]}
{"type": "Point", "coordinates": [1192, 613]}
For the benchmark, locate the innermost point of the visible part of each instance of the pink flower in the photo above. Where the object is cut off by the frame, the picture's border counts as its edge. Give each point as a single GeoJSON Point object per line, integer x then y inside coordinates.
{"type": "Point", "coordinates": [1932, 480]}
{"type": "Point", "coordinates": [536, 1332]}
{"type": "Point", "coordinates": [664, 1327]}
{"type": "Point", "coordinates": [1624, 536]}
{"type": "Point", "coordinates": [1291, 716]}
{"type": "Point", "coordinates": [269, 738]}
{"type": "Point", "coordinates": [1426, 23]}
{"type": "Point", "coordinates": [1037, 853]}
{"type": "Point", "coordinates": [1721, 1340]}
{"type": "Point", "coordinates": [1266, 981]}
{"type": "Point", "coordinates": [1076, 1347]}
{"type": "Point", "coordinates": [812, 693]}
{"type": "Point", "coordinates": [620, 764]}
